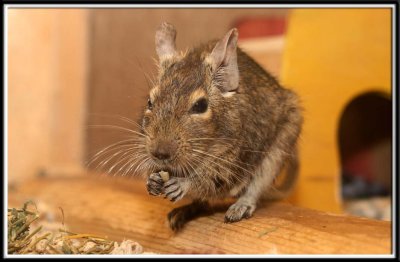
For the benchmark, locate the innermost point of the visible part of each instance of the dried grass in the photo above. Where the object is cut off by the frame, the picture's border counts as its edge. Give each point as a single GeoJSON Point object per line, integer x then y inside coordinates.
{"type": "Point", "coordinates": [23, 238]}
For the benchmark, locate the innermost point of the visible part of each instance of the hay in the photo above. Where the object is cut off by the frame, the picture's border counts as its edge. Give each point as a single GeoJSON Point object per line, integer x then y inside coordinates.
{"type": "Point", "coordinates": [24, 238]}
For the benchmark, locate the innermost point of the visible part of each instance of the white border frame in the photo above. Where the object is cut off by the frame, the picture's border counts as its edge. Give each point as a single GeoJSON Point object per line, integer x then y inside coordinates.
{"type": "Point", "coordinates": [203, 6]}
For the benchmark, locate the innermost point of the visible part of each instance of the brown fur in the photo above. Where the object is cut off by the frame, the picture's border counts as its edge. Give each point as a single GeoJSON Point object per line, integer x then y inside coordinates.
{"type": "Point", "coordinates": [260, 120]}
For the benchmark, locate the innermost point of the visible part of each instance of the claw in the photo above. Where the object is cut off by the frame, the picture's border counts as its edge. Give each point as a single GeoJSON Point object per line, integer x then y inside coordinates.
{"type": "Point", "coordinates": [176, 197]}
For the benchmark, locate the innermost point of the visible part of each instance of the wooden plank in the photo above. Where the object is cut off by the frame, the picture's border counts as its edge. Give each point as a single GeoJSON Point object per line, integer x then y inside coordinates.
{"type": "Point", "coordinates": [121, 209]}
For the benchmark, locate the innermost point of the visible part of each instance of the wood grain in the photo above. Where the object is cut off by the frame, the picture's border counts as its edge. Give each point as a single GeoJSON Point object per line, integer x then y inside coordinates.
{"type": "Point", "coordinates": [121, 209]}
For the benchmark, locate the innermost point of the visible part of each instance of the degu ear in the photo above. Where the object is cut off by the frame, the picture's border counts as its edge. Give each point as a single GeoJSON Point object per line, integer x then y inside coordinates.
{"type": "Point", "coordinates": [165, 41]}
{"type": "Point", "coordinates": [223, 60]}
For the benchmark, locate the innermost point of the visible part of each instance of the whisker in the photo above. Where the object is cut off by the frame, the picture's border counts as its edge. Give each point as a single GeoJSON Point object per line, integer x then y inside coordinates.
{"type": "Point", "coordinates": [104, 162]}
{"type": "Point", "coordinates": [229, 162]}
{"type": "Point", "coordinates": [123, 118]}
{"type": "Point", "coordinates": [131, 163]}
{"type": "Point", "coordinates": [231, 173]}
{"type": "Point", "coordinates": [149, 166]}
{"type": "Point", "coordinates": [145, 74]}
{"type": "Point", "coordinates": [198, 184]}
{"type": "Point", "coordinates": [117, 128]}
{"type": "Point", "coordinates": [211, 165]}
{"type": "Point", "coordinates": [110, 147]}
{"type": "Point", "coordinates": [126, 119]}
{"type": "Point", "coordinates": [237, 161]}
{"type": "Point", "coordinates": [142, 161]}
{"type": "Point", "coordinates": [202, 181]}
{"type": "Point", "coordinates": [144, 164]}
{"type": "Point", "coordinates": [123, 157]}
{"type": "Point", "coordinates": [212, 138]}
{"type": "Point", "coordinates": [229, 139]}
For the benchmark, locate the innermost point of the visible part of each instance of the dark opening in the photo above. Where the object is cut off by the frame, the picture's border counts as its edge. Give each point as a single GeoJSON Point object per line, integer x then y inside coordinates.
{"type": "Point", "coordinates": [365, 132]}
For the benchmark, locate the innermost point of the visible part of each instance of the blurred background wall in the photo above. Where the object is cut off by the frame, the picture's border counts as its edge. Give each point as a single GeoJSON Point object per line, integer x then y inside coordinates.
{"type": "Point", "coordinates": [47, 84]}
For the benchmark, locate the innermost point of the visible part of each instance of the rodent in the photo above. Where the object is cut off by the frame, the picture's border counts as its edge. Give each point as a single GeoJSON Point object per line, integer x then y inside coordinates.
{"type": "Point", "coordinates": [219, 124]}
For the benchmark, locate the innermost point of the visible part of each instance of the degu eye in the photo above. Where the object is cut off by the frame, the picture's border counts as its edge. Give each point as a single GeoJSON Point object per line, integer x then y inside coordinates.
{"type": "Point", "coordinates": [149, 104]}
{"type": "Point", "coordinates": [200, 106]}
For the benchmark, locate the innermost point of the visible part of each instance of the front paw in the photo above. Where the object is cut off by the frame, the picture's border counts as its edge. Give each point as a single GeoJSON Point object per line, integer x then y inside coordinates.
{"type": "Point", "coordinates": [155, 184]}
{"type": "Point", "coordinates": [174, 189]}
{"type": "Point", "coordinates": [238, 211]}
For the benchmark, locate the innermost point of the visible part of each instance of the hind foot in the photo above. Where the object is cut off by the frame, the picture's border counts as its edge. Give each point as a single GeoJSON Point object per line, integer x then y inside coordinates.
{"type": "Point", "coordinates": [179, 216]}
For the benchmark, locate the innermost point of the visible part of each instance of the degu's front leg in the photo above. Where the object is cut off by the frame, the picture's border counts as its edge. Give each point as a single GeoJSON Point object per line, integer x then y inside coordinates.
{"type": "Point", "coordinates": [175, 188]}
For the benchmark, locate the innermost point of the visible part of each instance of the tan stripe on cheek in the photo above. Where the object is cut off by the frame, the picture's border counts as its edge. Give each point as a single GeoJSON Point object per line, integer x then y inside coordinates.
{"type": "Point", "coordinates": [154, 92]}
